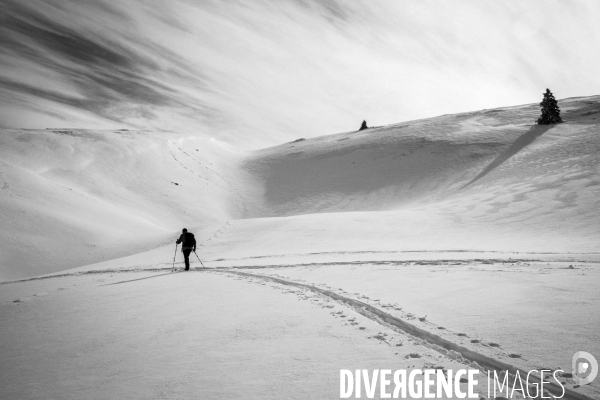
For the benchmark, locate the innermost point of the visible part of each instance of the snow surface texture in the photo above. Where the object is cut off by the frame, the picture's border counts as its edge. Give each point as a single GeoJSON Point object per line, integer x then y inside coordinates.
{"type": "Point", "coordinates": [486, 180]}
{"type": "Point", "coordinates": [222, 333]}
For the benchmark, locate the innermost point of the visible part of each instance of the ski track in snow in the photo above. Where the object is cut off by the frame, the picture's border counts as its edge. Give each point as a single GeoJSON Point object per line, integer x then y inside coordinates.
{"type": "Point", "coordinates": [425, 338]}
{"type": "Point", "coordinates": [234, 190]}
{"type": "Point", "coordinates": [324, 296]}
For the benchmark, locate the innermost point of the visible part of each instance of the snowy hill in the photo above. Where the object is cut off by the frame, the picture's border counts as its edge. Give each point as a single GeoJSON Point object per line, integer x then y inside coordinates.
{"type": "Point", "coordinates": [485, 180]}
{"type": "Point", "coordinates": [74, 197]}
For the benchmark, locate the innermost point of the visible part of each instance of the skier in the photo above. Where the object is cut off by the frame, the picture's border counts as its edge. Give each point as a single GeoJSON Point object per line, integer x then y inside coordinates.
{"type": "Point", "coordinates": [188, 244]}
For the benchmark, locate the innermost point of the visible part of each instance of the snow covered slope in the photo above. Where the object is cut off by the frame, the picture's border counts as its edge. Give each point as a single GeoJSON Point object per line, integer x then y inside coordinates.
{"type": "Point", "coordinates": [343, 221]}
{"type": "Point", "coordinates": [74, 197]}
{"type": "Point", "coordinates": [485, 180]}
{"type": "Point", "coordinates": [479, 180]}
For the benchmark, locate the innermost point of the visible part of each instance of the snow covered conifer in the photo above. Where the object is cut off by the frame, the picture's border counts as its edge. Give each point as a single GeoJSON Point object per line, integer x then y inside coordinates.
{"type": "Point", "coordinates": [550, 110]}
{"type": "Point", "coordinates": [363, 126]}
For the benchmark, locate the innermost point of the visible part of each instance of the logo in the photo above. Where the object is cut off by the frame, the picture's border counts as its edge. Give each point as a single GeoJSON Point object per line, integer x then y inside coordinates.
{"type": "Point", "coordinates": [439, 383]}
{"type": "Point", "coordinates": [585, 368]}
{"type": "Point", "coordinates": [414, 384]}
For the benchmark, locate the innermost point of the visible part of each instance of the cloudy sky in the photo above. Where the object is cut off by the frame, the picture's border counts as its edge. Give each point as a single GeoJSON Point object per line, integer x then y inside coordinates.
{"type": "Point", "coordinates": [258, 73]}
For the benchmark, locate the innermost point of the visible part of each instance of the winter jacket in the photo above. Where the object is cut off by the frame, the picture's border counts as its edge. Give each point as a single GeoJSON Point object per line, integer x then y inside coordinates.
{"type": "Point", "coordinates": [187, 240]}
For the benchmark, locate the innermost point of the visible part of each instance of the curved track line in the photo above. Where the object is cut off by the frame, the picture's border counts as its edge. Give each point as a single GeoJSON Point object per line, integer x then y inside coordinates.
{"type": "Point", "coordinates": [435, 341]}
{"type": "Point", "coordinates": [140, 279]}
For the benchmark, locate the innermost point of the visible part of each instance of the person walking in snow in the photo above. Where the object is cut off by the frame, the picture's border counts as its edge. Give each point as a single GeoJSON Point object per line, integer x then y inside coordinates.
{"type": "Point", "coordinates": [188, 244]}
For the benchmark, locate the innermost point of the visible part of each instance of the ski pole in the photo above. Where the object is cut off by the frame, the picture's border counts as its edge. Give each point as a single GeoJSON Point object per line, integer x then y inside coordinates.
{"type": "Point", "coordinates": [174, 255]}
{"type": "Point", "coordinates": [199, 258]}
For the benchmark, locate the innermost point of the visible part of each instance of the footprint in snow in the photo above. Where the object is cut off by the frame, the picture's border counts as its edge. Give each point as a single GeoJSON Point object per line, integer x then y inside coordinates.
{"type": "Point", "coordinates": [379, 336]}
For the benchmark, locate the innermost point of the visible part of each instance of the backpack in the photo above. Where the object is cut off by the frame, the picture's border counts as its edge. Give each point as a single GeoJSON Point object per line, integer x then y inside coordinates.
{"type": "Point", "coordinates": [188, 240]}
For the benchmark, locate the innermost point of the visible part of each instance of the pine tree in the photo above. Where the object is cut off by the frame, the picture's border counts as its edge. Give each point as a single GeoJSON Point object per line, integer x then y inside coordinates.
{"type": "Point", "coordinates": [363, 126]}
{"type": "Point", "coordinates": [550, 110]}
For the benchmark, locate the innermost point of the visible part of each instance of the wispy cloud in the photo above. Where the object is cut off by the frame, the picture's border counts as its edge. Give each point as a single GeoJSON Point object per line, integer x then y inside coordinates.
{"type": "Point", "coordinates": [262, 72]}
